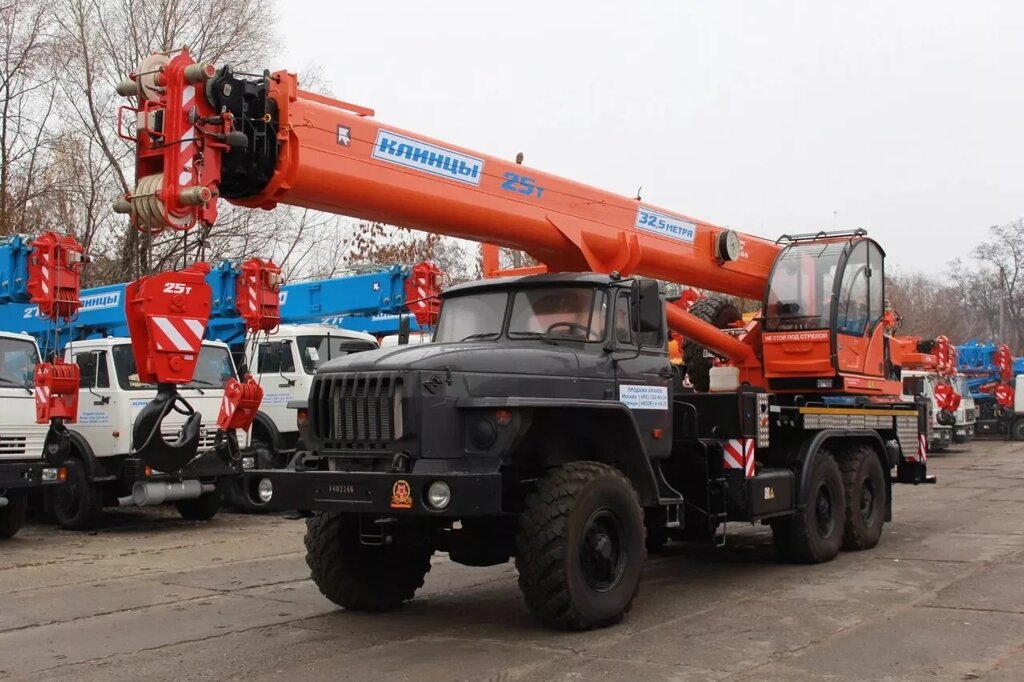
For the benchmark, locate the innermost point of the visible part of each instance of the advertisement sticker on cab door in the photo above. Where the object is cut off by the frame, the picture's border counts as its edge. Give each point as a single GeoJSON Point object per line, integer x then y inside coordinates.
{"type": "Point", "coordinates": [642, 397]}
{"type": "Point", "coordinates": [665, 225]}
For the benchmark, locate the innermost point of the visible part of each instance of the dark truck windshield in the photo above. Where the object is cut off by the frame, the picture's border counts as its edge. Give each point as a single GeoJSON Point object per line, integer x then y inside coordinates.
{"type": "Point", "coordinates": [557, 312]}
{"type": "Point", "coordinates": [18, 361]}
{"type": "Point", "coordinates": [213, 369]}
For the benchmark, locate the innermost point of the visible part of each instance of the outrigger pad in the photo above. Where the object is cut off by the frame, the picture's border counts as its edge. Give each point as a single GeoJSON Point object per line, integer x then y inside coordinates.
{"type": "Point", "coordinates": [155, 451]}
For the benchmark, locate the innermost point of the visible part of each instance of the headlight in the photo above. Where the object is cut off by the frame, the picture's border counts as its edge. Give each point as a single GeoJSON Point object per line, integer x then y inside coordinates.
{"type": "Point", "coordinates": [439, 495]}
{"type": "Point", "coordinates": [248, 462]}
{"type": "Point", "coordinates": [50, 474]}
{"type": "Point", "coordinates": [265, 490]}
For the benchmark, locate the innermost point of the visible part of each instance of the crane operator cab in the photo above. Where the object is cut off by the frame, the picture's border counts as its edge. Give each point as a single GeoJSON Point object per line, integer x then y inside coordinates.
{"type": "Point", "coordinates": [822, 317]}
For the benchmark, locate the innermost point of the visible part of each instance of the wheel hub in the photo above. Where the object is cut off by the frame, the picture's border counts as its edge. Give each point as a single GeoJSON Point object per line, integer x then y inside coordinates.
{"type": "Point", "coordinates": [602, 555]}
{"type": "Point", "coordinates": [823, 510]}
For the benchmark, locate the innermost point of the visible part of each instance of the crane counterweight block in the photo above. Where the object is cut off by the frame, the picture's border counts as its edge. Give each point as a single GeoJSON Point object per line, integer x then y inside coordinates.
{"type": "Point", "coordinates": [56, 391]}
{"type": "Point", "coordinates": [258, 295]}
{"type": "Point", "coordinates": [422, 291]}
{"type": "Point", "coordinates": [54, 275]}
{"type": "Point", "coordinates": [167, 316]}
{"type": "Point", "coordinates": [240, 404]}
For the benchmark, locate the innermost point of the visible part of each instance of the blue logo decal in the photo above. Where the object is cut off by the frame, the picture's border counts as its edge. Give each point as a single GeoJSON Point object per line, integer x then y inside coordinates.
{"type": "Point", "coordinates": [428, 158]}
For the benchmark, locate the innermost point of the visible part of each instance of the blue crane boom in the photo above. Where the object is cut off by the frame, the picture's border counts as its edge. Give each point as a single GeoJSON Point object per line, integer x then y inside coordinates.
{"type": "Point", "coordinates": [373, 302]}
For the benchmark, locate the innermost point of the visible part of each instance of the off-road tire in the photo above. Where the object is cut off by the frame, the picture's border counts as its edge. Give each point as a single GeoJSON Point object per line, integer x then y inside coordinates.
{"type": "Point", "coordinates": [12, 517]}
{"type": "Point", "coordinates": [567, 502]}
{"type": "Point", "coordinates": [799, 538]}
{"type": "Point", "coordinates": [78, 503]}
{"type": "Point", "coordinates": [860, 465]}
{"type": "Point", "coordinates": [719, 312]}
{"type": "Point", "coordinates": [202, 508]}
{"type": "Point", "coordinates": [1017, 430]}
{"type": "Point", "coordinates": [361, 577]}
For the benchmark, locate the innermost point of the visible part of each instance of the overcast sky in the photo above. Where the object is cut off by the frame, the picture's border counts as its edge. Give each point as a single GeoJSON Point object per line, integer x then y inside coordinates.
{"type": "Point", "coordinates": [902, 117]}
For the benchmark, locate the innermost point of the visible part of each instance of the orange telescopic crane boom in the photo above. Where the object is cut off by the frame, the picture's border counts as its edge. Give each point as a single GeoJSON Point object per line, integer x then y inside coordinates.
{"type": "Point", "coordinates": [302, 149]}
{"type": "Point", "coordinates": [204, 133]}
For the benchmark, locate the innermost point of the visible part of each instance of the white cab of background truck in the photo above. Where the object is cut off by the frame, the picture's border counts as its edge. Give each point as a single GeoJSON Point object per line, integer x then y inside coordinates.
{"type": "Point", "coordinates": [284, 366]}
{"type": "Point", "coordinates": [20, 437]}
{"type": "Point", "coordinates": [966, 413]}
{"type": "Point", "coordinates": [110, 399]}
{"type": "Point", "coordinates": [921, 383]}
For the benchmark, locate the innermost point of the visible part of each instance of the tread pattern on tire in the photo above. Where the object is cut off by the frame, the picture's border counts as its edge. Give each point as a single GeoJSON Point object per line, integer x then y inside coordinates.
{"type": "Point", "coordinates": [359, 577]}
{"type": "Point", "coordinates": [89, 514]}
{"type": "Point", "coordinates": [541, 546]}
{"type": "Point", "coordinates": [714, 310]}
{"type": "Point", "coordinates": [849, 465]}
{"type": "Point", "coordinates": [792, 534]}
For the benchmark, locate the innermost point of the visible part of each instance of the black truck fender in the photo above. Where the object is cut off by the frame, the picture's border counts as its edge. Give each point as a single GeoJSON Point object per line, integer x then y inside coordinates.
{"type": "Point", "coordinates": [621, 436]}
{"type": "Point", "coordinates": [810, 446]}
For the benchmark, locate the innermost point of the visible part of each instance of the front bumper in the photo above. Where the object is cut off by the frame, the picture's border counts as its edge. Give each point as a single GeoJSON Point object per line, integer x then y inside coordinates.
{"type": "Point", "coordinates": [472, 494]}
{"type": "Point", "coordinates": [963, 434]}
{"type": "Point", "coordinates": [205, 467]}
{"type": "Point", "coordinates": [23, 475]}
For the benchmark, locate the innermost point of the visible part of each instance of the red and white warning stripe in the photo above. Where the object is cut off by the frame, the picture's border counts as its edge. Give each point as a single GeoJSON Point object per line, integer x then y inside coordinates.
{"type": "Point", "coordinates": [227, 407]}
{"type": "Point", "coordinates": [739, 454]}
{"type": "Point", "coordinates": [421, 290]}
{"type": "Point", "coordinates": [188, 96]}
{"type": "Point", "coordinates": [44, 270]}
{"type": "Point", "coordinates": [42, 396]}
{"type": "Point", "coordinates": [922, 448]}
{"type": "Point", "coordinates": [183, 334]}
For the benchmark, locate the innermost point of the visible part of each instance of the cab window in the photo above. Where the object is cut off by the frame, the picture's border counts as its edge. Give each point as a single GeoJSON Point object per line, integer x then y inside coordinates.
{"type": "Point", "coordinates": [93, 366]}
{"type": "Point", "coordinates": [623, 324]}
{"type": "Point", "coordinates": [275, 358]}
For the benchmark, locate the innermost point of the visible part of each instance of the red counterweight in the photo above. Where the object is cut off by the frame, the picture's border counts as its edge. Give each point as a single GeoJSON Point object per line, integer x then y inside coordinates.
{"type": "Point", "coordinates": [258, 292]}
{"type": "Point", "coordinates": [56, 391]}
{"type": "Point", "coordinates": [240, 403]}
{"type": "Point", "coordinates": [421, 293]}
{"type": "Point", "coordinates": [167, 315]}
{"type": "Point", "coordinates": [54, 275]}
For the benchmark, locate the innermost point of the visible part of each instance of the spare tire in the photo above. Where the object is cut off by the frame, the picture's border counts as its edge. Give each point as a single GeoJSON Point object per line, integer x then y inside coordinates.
{"type": "Point", "coordinates": [716, 310]}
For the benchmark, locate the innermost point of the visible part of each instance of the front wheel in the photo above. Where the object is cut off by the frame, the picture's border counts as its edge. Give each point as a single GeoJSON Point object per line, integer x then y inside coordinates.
{"type": "Point", "coordinates": [580, 547]}
{"type": "Point", "coordinates": [77, 503]}
{"type": "Point", "coordinates": [1017, 430]}
{"type": "Point", "coordinates": [202, 508]}
{"type": "Point", "coordinates": [815, 533]}
{"type": "Point", "coordinates": [362, 577]}
{"type": "Point", "coordinates": [12, 516]}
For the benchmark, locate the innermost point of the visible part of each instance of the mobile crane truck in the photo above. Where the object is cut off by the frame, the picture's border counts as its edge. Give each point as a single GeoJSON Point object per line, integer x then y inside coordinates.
{"type": "Point", "coordinates": [541, 423]}
{"type": "Point", "coordinates": [39, 398]}
{"type": "Point", "coordinates": [994, 379]}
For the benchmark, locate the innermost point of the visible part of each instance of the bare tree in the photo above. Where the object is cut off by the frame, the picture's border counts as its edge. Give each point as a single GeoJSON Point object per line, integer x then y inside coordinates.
{"type": "Point", "coordinates": [27, 99]}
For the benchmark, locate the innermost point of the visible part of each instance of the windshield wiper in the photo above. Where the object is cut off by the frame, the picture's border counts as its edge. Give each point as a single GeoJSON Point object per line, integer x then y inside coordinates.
{"type": "Point", "coordinates": [543, 336]}
{"type": "Point", "coordinates": [480, 335]}
{"type": "Point", "coordinates": [201, 382]}
{"type": "Point", "coordinates": [19, 384]}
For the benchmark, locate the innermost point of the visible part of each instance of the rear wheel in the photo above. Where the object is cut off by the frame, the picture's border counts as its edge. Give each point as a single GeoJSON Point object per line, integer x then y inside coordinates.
{"type": "Point", "coordinates": [580, 547]}
{"type": "Point", "coordinates": [719, 312]}
{"type": "Point", "coordinates": [814, 534]}
{"type": "Point", "coordinates": [1017, 430]}
{"type": "Point", "coordinates": [12, 516]}
{"type": "Point", "coordinates": [362, 577]}
{"type": "Point", "coordinates": [866, 496]}
{"type": "Point", "coordinates": [78, 503]}
{"type": "Point", "coordinates": [202, 508]}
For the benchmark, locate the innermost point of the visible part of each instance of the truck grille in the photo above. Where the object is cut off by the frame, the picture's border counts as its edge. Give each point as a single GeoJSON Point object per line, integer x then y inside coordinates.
{"type": "Point", "coordinates": [22, 443]}
{"type": "Point", "coordinates": [969, 414]}
{"type": "Point", "coordinates": [355, 411]}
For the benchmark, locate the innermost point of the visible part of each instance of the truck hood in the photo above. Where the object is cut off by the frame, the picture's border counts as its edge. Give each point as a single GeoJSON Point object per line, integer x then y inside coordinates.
{"type": "Point", "coordinates": [477, 357]}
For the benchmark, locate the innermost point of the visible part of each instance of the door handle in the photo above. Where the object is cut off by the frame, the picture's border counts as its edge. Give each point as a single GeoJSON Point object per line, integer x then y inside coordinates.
{"type": "Point", "coordinates": [667, 374]}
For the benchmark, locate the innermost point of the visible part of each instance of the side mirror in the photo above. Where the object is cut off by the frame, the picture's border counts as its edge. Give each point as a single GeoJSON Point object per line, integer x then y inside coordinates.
{"type": "Point", "coordinates": [647, 312]}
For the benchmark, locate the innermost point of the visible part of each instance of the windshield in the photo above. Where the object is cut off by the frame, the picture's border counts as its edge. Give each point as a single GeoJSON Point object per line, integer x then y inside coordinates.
{"type": "Point", "coordinates": [212, 370]}
{"type": "Point", "coordinates": [19, 359]}
{"type": "Point", "coordinates": [575, 313]}
{"type": "Point", "coordinates": [800, 290]}
{"type": "Point", "coordinates": [316, 349]}
{"type": "Point", "coordinates": [478, 316]}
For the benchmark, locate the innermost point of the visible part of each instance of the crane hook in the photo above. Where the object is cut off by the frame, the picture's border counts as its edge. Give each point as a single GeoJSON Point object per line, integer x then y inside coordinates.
{"type": "Point", "coordinates": [155, 451]}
